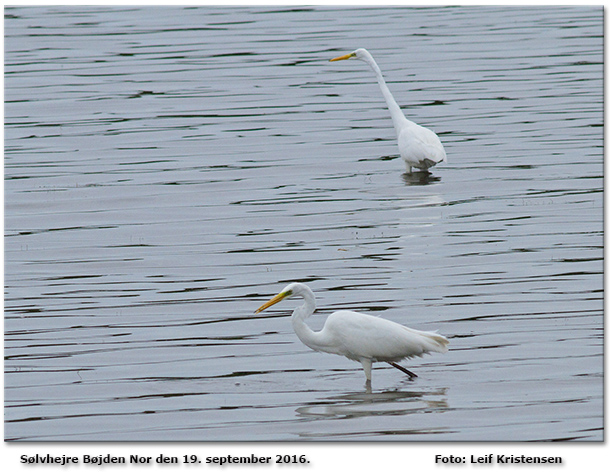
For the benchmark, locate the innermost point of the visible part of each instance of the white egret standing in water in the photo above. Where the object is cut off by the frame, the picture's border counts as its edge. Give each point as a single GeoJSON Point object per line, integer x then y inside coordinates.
{"type": "Point", "coordinates": [358, 336]}
{"type": "Point", "coordinates": [418, 146]}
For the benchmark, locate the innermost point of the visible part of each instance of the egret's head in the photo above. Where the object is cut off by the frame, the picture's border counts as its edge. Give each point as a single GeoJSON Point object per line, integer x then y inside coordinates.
{"type": "Point", "coordinates": [285, 293]}
{"type": "Point", "coordinates": [357, 54]}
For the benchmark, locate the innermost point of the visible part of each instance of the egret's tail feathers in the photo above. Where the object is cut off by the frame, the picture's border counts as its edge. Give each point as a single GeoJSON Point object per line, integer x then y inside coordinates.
{"type": "Point", "coordinates": [438, 343]}
{"type": "Point", "coordinates": [428, 163]}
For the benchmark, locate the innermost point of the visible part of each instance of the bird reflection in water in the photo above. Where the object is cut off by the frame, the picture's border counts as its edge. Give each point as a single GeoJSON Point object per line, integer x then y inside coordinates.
{"type": "Point", "coordinates": [363, 404]}
{"type": "Point", "coordinates": [420, 178]}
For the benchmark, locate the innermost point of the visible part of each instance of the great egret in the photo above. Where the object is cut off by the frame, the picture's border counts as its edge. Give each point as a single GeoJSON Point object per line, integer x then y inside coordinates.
{"type": "Point", "coordinates": [419, 147]}
{"type": "Point", "coordinates": [358, 336]}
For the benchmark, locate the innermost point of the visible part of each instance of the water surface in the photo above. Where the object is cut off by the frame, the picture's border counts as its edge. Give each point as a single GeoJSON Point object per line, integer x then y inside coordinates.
{"type": "Point", "coordinates": [167, 170]}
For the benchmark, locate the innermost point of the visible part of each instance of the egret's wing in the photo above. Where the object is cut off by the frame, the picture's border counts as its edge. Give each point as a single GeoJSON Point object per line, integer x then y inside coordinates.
{"type": "Point", "coordinates": [421, 147]}
{"type": "Point", "coordinates": [432, 151]}
{"type": "Point", "coordinates": [362, 336]}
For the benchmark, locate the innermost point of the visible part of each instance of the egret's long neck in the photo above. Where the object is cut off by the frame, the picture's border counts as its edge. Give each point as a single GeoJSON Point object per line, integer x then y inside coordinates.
{"type": "Point", "coordinates": [307, 336]}
{"type": "Point", "coordinates": [398, 117]}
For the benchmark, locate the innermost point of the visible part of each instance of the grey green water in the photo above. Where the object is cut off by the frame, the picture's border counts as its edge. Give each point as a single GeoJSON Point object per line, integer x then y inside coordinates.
{"type": "Point", "coordinates": [167, 170]}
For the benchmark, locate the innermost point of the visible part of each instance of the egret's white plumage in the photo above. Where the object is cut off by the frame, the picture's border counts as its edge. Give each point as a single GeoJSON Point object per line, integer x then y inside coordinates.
{"type": "Point", "coordinates": [419, 147]}
{"type": "Point", "coordinates": [358, 336]}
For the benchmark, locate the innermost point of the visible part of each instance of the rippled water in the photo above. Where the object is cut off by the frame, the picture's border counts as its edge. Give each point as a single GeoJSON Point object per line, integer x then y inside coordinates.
{"type": "Point", "coordinates": [167, 170]}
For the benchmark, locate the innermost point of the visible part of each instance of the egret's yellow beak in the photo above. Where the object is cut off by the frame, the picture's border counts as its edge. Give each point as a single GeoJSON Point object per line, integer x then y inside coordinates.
{"type": "Point", "coordinates": [274, 300]}
{"type": "Point", "coordinates": [340, 58]}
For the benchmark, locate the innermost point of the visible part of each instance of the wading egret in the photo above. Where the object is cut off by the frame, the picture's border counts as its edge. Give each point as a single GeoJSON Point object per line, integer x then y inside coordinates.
{"type": "Point", "coordinates": [358, 336]}
{"type": "Point", "coordinates": [418, 146]}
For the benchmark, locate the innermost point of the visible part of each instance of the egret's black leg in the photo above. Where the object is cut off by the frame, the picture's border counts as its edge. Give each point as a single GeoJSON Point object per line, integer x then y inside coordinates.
{"type": "Point", "coordinates": [402, 369]}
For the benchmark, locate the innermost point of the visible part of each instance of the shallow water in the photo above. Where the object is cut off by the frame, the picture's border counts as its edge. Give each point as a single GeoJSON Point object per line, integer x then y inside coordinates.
{"type": "Point", "coordinates": [167, 170]}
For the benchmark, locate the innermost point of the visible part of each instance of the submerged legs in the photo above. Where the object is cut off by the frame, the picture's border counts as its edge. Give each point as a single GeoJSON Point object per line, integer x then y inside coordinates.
{"type": "Point", "coordinates": [367, 364]}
